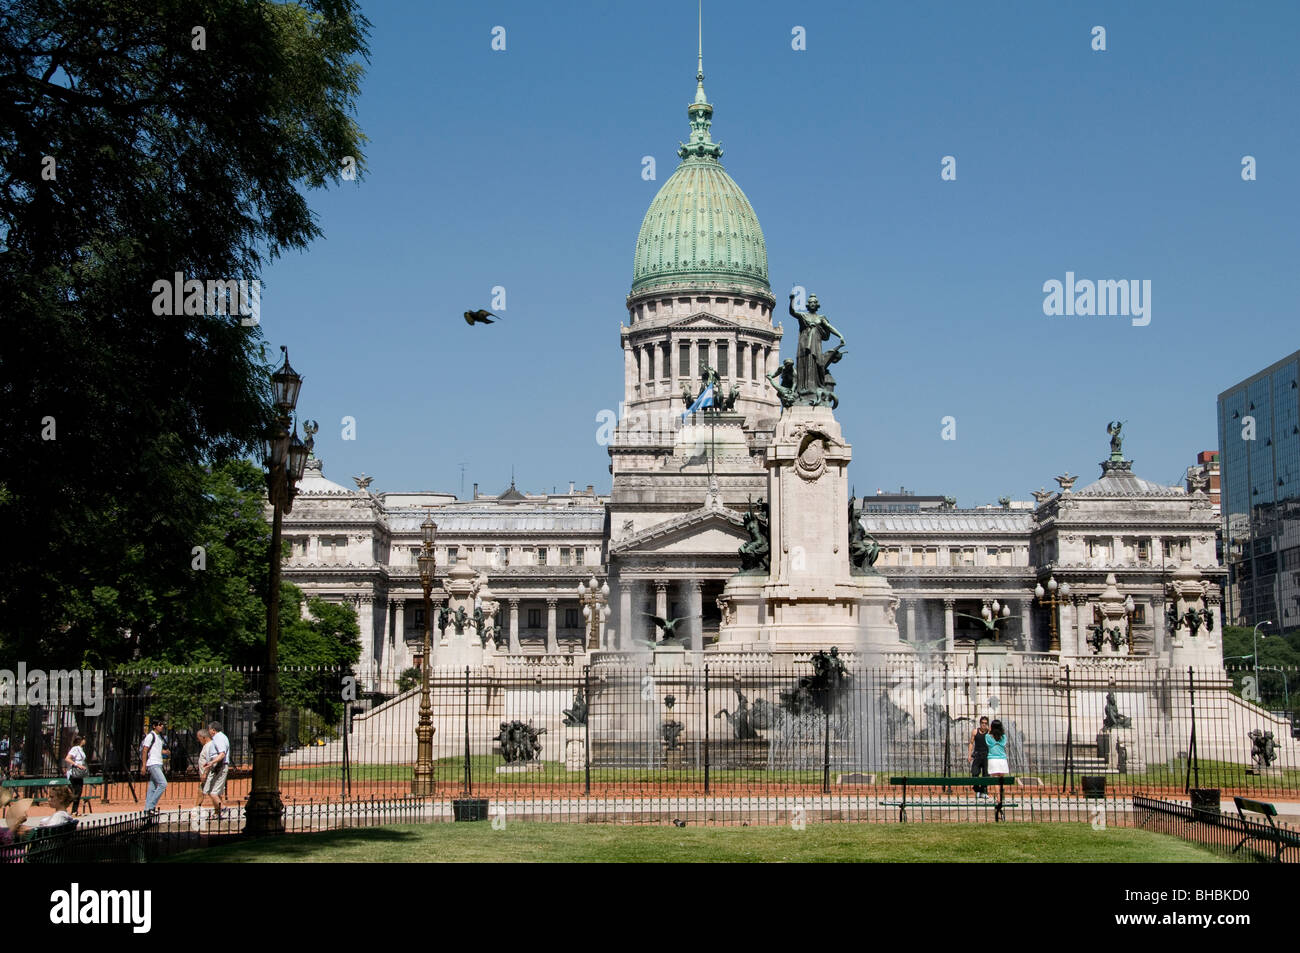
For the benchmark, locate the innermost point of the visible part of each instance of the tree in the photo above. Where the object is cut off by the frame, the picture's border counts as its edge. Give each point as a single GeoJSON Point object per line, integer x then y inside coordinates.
{"type": "Point", "coordinates": [142, 139]}
{"type": "Point", "coordinates": [314, 651]}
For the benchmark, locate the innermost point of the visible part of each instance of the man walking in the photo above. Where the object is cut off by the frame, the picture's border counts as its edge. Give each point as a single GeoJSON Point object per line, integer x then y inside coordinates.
{"type": "Point", "coordinates": [978, 753]}
{"type": "Point", "coordinates": [214, 785]}
{"type": "Point", "coordinates": [152, 751]}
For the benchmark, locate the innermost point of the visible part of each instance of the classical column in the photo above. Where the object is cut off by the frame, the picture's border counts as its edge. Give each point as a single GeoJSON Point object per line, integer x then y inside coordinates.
{"type": "Point", "coordinates": [911, 621]}
{"type": "Point", "coordinates": [399, 635]}
{"type": "Point", "coordinates": [949, 639]}
{"type": "Point", "coordinates": [552, 638]}
{"type": "Point", "coordinates": [1081, 621]}
{"type": "Point", "coordinates": [514, 626]}
{"type": "Point", "coordinates": [366, 621]}
{"type": "Point", "coordinates": [1024, 609]}
{"type": "Point", "coordinates": [695, 609]}
{"type": "Point", "coordinates": [694, 370]}
{"type": "Point", "coordinates": [624, 637]}
{"type": "Point", "coordinates": [629, 372]}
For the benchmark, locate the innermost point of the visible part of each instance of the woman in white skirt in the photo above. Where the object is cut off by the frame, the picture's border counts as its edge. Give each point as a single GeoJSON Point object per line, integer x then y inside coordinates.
{"type": "Point", "coordinates": [996, 740]}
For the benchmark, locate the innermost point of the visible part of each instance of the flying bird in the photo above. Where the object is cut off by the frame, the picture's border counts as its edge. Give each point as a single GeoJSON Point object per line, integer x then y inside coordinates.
{"type": "Point", "coordinates": [478, 317]}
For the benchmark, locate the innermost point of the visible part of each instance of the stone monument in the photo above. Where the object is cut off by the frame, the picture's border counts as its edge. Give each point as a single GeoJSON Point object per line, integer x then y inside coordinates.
{"type": "Point", "coordinates": [798, 589]}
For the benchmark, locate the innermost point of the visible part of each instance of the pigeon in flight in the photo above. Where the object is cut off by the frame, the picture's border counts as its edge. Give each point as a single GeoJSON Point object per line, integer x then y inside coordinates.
{"type": "Point", "coordinates": [478, 317]}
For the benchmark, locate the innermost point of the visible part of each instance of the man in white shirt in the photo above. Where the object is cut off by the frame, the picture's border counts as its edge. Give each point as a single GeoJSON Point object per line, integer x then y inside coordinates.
{"type": "Point", "coordinates": [214, 785]}
{"type": "Point", "coordinates": [151, 764]}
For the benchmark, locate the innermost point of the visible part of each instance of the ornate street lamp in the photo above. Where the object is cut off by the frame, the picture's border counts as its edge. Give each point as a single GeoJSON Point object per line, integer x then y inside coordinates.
{"type": "Point", "coordinates": [285, 459]}
{"type": "Point", "coordinates": [996, 612]}
{"type": "Point", "coordinates": [595, 609]}
{"type": "Point", "coordinates": [422, 784]}
{"type": "Point", "coordinates": [1048, 599]}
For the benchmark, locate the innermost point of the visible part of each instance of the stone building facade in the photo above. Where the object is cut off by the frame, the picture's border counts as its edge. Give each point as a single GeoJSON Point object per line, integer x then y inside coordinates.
{"type": "Point", "coordinates": [666, 537]}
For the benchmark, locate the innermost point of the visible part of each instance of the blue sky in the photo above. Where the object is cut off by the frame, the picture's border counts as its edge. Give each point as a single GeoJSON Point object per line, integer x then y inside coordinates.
{"type": "Point", "coordinates": [522, 169]}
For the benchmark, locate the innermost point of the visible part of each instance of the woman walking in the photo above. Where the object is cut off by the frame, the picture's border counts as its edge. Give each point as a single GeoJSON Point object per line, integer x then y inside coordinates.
{"type": "Point", "coordinates": [997, 744]}
{"type": "Point", "coordinates": [75, 764]}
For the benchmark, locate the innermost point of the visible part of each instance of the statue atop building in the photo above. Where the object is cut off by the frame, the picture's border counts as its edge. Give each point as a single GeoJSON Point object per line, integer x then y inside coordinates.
{"type": "Point", "coordinates": [813, 382]}
{"type": "Point", "coordinates": [1116, 440]}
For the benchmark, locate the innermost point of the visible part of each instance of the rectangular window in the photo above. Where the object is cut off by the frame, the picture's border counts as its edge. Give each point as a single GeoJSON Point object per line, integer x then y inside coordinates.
{"type": "Point", "coordinates": [541, 555]}
{"type": "Point", "coordinates": [565, 556]}
{"type": "Point", "coordinates": [1139, 615]}
{"type": "Point", "coordinates": [579, 556]}
{"type": "Point", "coordinates": [534, 618]}
{"type": "Point", "coordinates": [683, 360]}
{"type": "Point", "coordinates": [572, 619]}
{"type": "Point", "coordinates": [451, 555]}
{"type": "Point", "coordinates": [722, 360]}
{"type": "Point", "coordinates": [1143, 549]}
{"type": "Point", "coordinates": [419, 619]}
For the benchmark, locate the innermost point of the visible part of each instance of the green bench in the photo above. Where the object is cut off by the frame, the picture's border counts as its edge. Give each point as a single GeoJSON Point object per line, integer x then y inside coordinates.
{"type": "Point", "coordinates": [41, 786]}
{"type": "Point", "coordinates": [47, 845]}
{"type": "Point", "coordinates": [1280, 837]}
{"type": "Point", "coordinates": [963, 782]}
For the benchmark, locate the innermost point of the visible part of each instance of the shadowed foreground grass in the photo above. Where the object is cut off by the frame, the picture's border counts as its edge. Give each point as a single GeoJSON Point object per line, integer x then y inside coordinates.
{"type": "Point", "coordinates": [561, 842]}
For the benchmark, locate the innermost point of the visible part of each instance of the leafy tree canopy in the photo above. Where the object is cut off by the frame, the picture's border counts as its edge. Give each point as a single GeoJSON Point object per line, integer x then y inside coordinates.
{"type": "Point", "coordinates": [135, 148]}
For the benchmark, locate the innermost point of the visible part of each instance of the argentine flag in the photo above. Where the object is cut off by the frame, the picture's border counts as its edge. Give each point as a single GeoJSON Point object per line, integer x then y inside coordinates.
{"type": "Point", "coordinates": [704, 400]}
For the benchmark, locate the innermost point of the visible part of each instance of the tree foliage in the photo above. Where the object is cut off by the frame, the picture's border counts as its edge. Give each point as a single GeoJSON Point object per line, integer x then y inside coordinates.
{"type": "Point", "coordinates": [130, 155]}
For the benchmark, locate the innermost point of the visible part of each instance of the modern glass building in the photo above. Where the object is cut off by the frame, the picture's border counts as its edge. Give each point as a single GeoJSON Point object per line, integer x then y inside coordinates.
{"type": "Point", "coordinates": [1259, 442]}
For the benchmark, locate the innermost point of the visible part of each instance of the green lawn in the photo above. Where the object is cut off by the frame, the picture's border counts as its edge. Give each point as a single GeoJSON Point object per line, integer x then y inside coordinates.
{"type": "Point", "coordinates": [484, 772]}
{"type": "Point", "coordinates": [1213, 774]}
{"type": "Point", "coordinates": [559, 843]}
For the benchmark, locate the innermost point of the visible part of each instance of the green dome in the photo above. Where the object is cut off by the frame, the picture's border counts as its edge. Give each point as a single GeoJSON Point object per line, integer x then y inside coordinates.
{"type": "Point", "coordinates": [700, 230]}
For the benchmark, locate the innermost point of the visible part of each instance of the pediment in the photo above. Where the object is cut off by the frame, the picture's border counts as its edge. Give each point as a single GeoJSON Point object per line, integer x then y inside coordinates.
{"type": "Point", "coordinates": [705, 531]}
{"type": "Point", "coordinates": [704, 320]}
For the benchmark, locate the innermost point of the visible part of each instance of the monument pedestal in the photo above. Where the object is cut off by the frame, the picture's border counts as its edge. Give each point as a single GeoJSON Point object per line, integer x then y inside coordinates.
{"type": "Point", "coordinates": [810, 598]}
{"type": "Point", "coordinates": [669, 656]}
{"type": "Point", "coordinates": [575, 748]}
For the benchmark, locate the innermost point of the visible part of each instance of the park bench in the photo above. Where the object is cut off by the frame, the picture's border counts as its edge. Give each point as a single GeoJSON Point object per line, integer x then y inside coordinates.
{"type": "Point", "coordinates": [962, 782]}
{"type": "Point", "coordinates": [47, 845]}
{"type": "Point", "coordinates": [38, 788]}
{"type": "Point", "coordinates": [1280, 837]}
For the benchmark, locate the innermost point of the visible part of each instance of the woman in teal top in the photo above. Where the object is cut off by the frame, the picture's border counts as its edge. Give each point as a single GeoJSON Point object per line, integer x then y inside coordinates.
{"type": "Point", "coordinates": [996, 740]}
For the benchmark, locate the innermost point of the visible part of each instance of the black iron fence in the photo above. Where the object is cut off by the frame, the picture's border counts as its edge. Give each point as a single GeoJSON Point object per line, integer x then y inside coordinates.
{"type": "Point", "coordinates": [1228, 834]}
{"type": "Point", "coordinates": [625, 730]}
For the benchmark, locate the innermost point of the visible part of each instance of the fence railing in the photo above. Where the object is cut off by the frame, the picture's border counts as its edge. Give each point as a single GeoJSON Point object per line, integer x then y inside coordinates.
{"type": "Point", "coordinates": [1225, 834]}
{"type": "Point", "coordinates": [639, 730]}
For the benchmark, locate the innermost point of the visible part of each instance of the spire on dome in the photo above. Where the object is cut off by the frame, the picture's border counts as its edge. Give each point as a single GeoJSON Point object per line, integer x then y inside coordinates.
{"type": "Point", "coordinates": [701, 113]}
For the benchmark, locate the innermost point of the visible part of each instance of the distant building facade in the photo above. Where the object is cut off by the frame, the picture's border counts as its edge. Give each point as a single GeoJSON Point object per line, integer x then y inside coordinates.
{"type": "Point", "coordinates": [1259, 446]}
